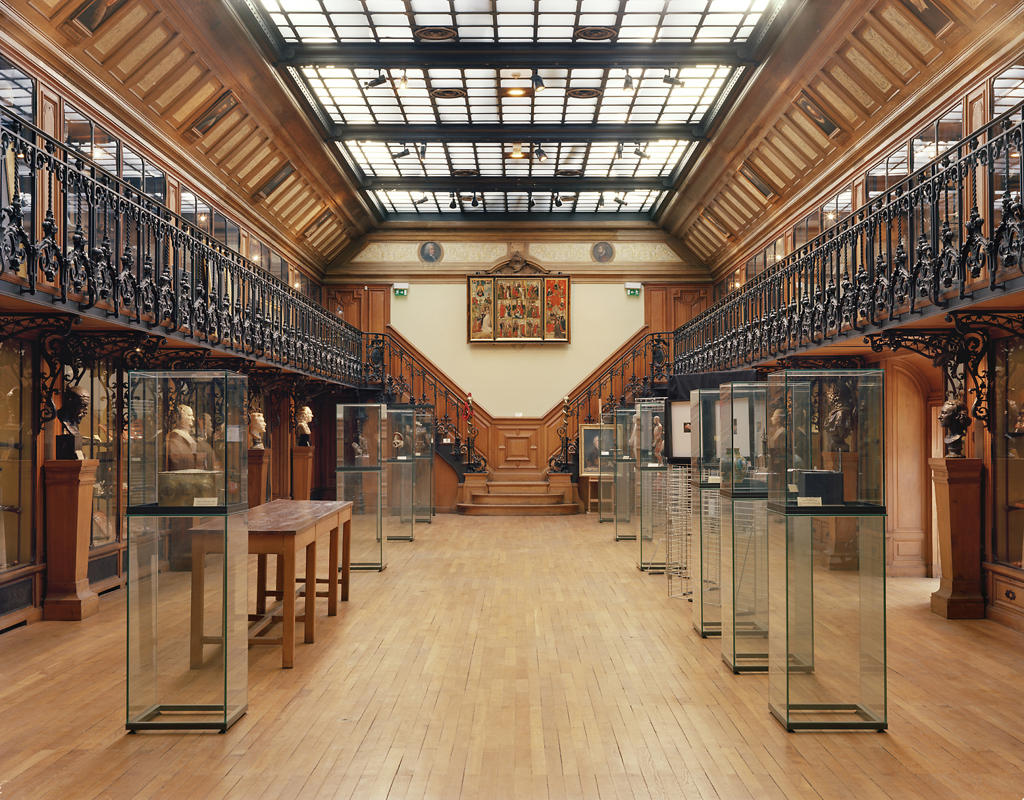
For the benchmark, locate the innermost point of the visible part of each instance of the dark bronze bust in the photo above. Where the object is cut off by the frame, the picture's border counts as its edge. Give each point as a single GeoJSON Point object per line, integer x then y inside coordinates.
{"type": "Point", "coordinates": [74, 407]}
{"type": "Point", "coordinates": [955, 421]}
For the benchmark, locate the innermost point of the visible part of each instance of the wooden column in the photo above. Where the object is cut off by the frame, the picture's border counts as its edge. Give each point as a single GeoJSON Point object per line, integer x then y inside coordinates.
{"type": "Point", "coordinates": [259, 467]}
{"type": "Point", "coordinates": [957, 483]}
{"type": "Point", "coordinates": [302, 472]}
{"type": "Point", "coordinates": [69, 489]}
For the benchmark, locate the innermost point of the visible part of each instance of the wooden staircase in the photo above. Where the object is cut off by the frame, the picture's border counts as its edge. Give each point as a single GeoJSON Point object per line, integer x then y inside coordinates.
{"type": "Point", "coordinates": [514, 495]}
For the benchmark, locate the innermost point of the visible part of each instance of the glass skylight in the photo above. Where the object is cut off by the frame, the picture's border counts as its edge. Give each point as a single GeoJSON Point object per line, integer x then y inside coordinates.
{"type": "Point", "coordinates": [312, 21]}
{"type": "Point", "coordinates": [564, 202]}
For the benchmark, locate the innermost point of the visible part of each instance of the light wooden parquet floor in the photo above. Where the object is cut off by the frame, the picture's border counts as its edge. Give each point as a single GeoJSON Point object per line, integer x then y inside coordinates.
{"type": "Point", "coordinates": [514, 658]}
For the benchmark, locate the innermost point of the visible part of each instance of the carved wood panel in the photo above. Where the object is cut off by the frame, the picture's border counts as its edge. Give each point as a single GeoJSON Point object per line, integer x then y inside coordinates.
{"type": "Point", "coordinates": [516, 445]}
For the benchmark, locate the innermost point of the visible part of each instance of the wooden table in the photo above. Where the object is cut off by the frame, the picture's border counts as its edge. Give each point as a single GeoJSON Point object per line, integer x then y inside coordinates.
{"type": "Point", "coordinates": [284, 528]}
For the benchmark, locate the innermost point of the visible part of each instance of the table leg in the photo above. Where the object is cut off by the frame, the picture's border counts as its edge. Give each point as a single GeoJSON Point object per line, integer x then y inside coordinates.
{"type": "Point", "coordinates": [332, 573]}
{"type": "Point", "coordinates": [310, 613]}
{"type": "Point", "coordinates": [261, 583]}
{"type": "Point", "coordinates": [346, 557]}
{"type": "Point", "coordinates": [287, 562]}
{"type": "Point", "coordinates": [196, 612]}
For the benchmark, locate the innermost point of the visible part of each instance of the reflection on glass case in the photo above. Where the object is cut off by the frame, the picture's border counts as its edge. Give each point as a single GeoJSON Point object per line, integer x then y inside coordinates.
{"type": "Point", "coordinates": [17, 450]}
{"type": "Point", "coordinates": [826, 529]}
{"type": "Point", "coordinates": [1007, 547]}
{"type": "Point", "coordinates": [399, 472]}
{"type": "Point", "coordinates": [99, 441]}
{"type": "Point", "coordinates": [651, 479]}
{"type": "Point", "coordinates": [423, 453]}
{"type": "Point", "coordinates": [706, 511]}
{"type": "Point", "coordinates": [744, 542]}
{"type": "Point", "coordinates": [359, 477]}
{"type": "Point", "coordinates": [187, 550]}
{"type": "Point", "coordinates": [606, 466]}
{"type": "Point", "coordinates": [627, 433]}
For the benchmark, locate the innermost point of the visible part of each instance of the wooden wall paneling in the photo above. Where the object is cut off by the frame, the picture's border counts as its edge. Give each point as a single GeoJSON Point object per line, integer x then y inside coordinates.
{"type": "Point", "coordinates": [325, 449]}
{"type": "Point", "coordinates": [281, 447]}
{"type": "Point", "coordinates": [517, 446]}
{"type": "Point", "coordinates": [446, 487]}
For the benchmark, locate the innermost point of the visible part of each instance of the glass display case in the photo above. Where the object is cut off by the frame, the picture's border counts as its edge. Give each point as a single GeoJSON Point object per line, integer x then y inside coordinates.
{"type": "Point", "coordinates": [742, 460]}
{"type": "Point", "coordinates": [187, 550]}
{"type": "Point", "coordinates": [627, 513]}
{"type": "Point", "coordinates": [359, 475]}
{"type": "Point", "coordinates": [706, 511]}
{"type": "Point", "coordinates": [423, 456]}
{"type": "Point", "coordinates": [679, 527]}
{"type": "Point", "coordinates": [399, 473]}
{"type": "Point", "coordinates": [17, 456]}
{"type": "Point", "coordinates": [606, 468]}
{"type": "Point", "coordinates": [1006, 547]}
{"type": "Point", "coordinates": [651, 477]}
{"type": "Point", "coordinates": [826, 540]}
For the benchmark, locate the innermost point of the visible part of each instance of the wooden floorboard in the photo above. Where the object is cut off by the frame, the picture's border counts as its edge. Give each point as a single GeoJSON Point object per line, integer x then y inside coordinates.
{"type": "Point", "coordinates": [514, 658]}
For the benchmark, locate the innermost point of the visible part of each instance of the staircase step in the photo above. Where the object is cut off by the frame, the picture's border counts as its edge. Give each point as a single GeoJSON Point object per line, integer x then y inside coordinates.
{"type": "Point", "coordinates": [557, 509]}
{"type": "Point", "coordinates": [517, 487]}
{"type": "Point", "coordinates": [516, 498]}
{"type": "Point", "coordinates": [517, 476]}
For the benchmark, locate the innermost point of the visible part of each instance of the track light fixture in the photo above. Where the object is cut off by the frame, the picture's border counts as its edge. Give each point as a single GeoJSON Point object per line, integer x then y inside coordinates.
{"type": "Point", "coordinates": [423, 150]}
{"type": "Point", "coordinates": [537, 81]}
{"type": "Point", "coordinates": [403, 152]}
{"type": "Point", "coordinates": [600, 200]}
{"type": "Point", "coordinates": [558, 201]}
{"type": "Point", "coordinates": [517, 151]}
{"type": "Point", "coordinates": [373, 83]}
{"type": "Point", "coordinates": [420, 200]}
{"type": "Point", "coordinates": [670, 80]}
{"type": "Point", "coordinates": [530, 202]}
{"type": "Point", "coordinates": [627, 82]}
{"type": "Point", "coordinates": [539, 154]}
{"type": "Point", "coordinates": [403, 82]}
{"type": "Point", "coordinates": [640, 152]}
{"type": "Point", "coordinates": [453, 203]}
{"type": "Point", "coordinates": [475, 202]}
{"type": "Point", "coordinates": [618, 151]}
{"type": "Point", "coordinates": [620, 198]}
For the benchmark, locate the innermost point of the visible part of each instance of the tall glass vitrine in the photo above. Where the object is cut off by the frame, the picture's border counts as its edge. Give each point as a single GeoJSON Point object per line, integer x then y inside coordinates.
{"type": "Point", "coordinates": [606, 467]}
{"type": "Point", "coordinates": [423, 456]}
{"type": "Point", "coordinates": [826, 531]}
{"type": "Point", "coordinates": [651, 477]}
{"type": "Point", "coordinates": [706, 511]}
{"type": "Point", "coordinates": [742, 462]}
{"type": "Point", "coordinates": [399, 473]}
{"type": "Point", "coordinates": [627, 433]}
{"type": "Point", "coordinates": [359, 475]}
{"type": "Point", "coordinates": [187, 550]}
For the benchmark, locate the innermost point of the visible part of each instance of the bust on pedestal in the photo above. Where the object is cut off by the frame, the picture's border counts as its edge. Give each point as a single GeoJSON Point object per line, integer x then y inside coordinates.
{"type": "Point", "coordinates": [69, 481]}
{"type": "Point", "coordinates": [302, 456]}
{"type": "Point", "coordinates": [259, 460]}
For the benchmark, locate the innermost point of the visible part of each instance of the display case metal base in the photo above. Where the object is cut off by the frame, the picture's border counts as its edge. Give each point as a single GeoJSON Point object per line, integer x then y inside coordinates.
{"type": "Point", "coordinates": [867, 721]}
{"type": "Point", "coordinates": [739, 666]}
{"type": "Point", "coordinates": [367, 567]}
{"type": "Point", "coordinates": [651, 567]}
{"type": "Point", "coordinates": [625, 538]}
{"type": "Point", "coordinates": [711, 630]}
{"type": "Point", "coordinates": [149, 719]}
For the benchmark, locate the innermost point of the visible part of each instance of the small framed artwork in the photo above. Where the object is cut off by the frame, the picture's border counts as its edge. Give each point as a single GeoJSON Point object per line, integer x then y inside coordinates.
{"type": "Point", "coordinates": [679, 411]}
{"type": "Point", "coordinates": [431, 252]}
{"type": "Point", "coordinates": [518, 309]}
{"type": "Point", "coordinates": [602, 252]}
{"type": "Point", "coordinates": [590, 450]}
{"type": "Point", "coordinates": [556, 309]}
{"type": "Point", "coordinates": [481, 309]}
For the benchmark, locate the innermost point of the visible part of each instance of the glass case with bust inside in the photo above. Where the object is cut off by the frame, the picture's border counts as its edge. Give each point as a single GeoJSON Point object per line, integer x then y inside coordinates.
{"type": "Point", "coordinates": [423, 455]}
{"type": "Point", "coordinates": [187, 550]}
{"type": "Point", "coordinates": [627, 512]}
{"type": "Point", "coordinates": [706, 511]}
{"type": "Point", "coordinates": [399, 473]}
{"type": "Point", "coordinates": [359, 474]}
{"type": "Point", "coordinates": [826, 545]}
{"type": "Point", "coordinates": [742, 463]}
{"type": "Point", "coordinates": [651, 485]}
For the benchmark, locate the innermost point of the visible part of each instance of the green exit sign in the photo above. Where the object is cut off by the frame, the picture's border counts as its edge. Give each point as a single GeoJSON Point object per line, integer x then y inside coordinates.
{"type": "Point", "coordinates": [400, 292]}
{"type": "Point", "coordinates": [632, 292]}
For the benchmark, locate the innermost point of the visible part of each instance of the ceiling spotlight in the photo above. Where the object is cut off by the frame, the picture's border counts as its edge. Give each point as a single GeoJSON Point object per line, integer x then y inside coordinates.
{"type": "Point", "coordinates": [373, 83]}
{"type": "Point", "coordinates": [539, 154]}
{"type": "Point", "coordinates": [453, 203]}
{"type": "Point", "coordinates": [600, 200]}
{"type": "Point", "coordinates": [670, 80]}
{"type": "Point", "coordinates": [620, 199]}
{"type": "Point", "coordinates": [627, 82]}
{"type": "Point", "coordinates": [423, 150]}
{"type": "Point", "coordinates": [618, 150]}
{"type": "Point", "coordinates": [403, 152]}
{"type": "Point", "coordinates": [517, 151]}
{"type": "Point", "coordinates": [558, 201]}
{"type": "Point", "coordinates": [420, 200]}
{"type": "Point", "coordinates": [475, 202]}
{"type": "Point", "coordinates": [403, 82]}
{"type": "Point", "coordinates": [640, 152]}
{"type": "Point", "coordinates": [537, 81]}
{"type": "Point", "coordinates": [530, 203]}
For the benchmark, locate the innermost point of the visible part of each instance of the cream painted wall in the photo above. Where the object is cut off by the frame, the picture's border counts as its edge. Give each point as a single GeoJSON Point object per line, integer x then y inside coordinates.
{"type": "Point", "coordinates": [510, 378]}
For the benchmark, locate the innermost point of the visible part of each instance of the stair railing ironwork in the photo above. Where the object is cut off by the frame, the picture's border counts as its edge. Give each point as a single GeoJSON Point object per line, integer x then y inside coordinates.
{"type": "Point", "coordinates": [636, 373]}
{"type": "Point", "coordinates": [110, 251]}
{"type": "Point", "coordinates": [400, 377]}
{"type": "Point", "coordinates": [949, 234]}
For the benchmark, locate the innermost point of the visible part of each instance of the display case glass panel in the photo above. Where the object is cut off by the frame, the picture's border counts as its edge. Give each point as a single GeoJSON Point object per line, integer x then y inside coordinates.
{"type": "Point", "coordinates": [187, 550]}
{"type": "Point", "coordinates": [1007, 544]}
{"type": "Point", "coordinates": [742, 438]}
{"type": "Point", "coordinates": [827, 650]}
{"type": "Point", "coordinates": [627, 511]}
{"type": "Point", "coordinates": [606, 466]}
{"type": "Point", "coordinates": [423, 455]}
{"type": "Point", "coordinates": [359, 473]}
{"type": "Point", "coordinates": [399, 473]}
{"type": "Point", "coordinates": [17, 456]}
{"type": "Point", "coordinates": [706, 511]}
{"type": "Point", "coordinates": [679, 529]}
{"type": "Point", "coordinates": [99, 441]}
{"type": "Point", "coordinates": [825, 440]}
{"type": "Point", "coordinates": [653, 485]}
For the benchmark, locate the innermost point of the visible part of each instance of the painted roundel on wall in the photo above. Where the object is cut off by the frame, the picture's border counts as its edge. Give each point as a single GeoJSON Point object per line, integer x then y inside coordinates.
{"type": "Point", "coordinates": [431, 252]}
{"type": "Point", "coordinates": [602, 252]}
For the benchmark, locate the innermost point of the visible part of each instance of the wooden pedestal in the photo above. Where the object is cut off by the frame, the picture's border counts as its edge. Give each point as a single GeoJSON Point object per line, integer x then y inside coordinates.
{"type": "Point", "coordinates": [259, 466]}
{"type": "Point", "coordinates": [841, 548]}
{"type": "Point", "coordinates": [957, 484]}
{"type": "Point", "coordinates": [69, 489]}
{"type": "Point", "coordinates": [302, 472]}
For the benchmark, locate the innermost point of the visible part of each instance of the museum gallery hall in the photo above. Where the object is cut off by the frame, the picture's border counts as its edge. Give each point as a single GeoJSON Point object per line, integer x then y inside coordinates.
{"type": "Point", "coordinates": [511, 399]}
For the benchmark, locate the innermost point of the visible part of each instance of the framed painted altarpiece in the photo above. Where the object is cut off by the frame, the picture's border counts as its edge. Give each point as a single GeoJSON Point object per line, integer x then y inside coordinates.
{"type": "Point", "coordinates": [529, 305]}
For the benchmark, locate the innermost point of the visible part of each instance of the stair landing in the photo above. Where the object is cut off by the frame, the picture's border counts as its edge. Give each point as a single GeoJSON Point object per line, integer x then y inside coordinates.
{"type": "Point", "coordinates": [515, 498]}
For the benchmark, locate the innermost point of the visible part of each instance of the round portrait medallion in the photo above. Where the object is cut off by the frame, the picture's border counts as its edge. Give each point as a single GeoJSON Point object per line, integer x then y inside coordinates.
{"type": "Point", "coordinates": [602, 252]}
{"type": "Point", "coordinates": [431, 252]}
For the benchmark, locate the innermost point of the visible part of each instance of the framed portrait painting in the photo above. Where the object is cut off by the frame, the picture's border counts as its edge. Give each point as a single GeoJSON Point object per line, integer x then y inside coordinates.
{"type": "Point", "coordinates": [481, 309]}
{"type": "Point", "coordinates": [556, 309]}
{"type": "Point", "coordinates": [518, 309]}
{"type": "Point", "coordinates": [590, 450]}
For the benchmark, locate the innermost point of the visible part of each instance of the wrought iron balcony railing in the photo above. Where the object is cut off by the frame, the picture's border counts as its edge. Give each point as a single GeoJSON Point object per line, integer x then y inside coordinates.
{"type": "Point", "coordinates": [908, 251]}
{"type": "Point", "coordinates": [97, 245]}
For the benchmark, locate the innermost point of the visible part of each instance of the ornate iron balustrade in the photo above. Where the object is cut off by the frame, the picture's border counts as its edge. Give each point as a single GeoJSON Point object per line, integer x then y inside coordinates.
{"type": "Point", "coordinates": [107, 250]}
{"type": "Point", "coordinates": [400, 377]}
{"type": "Point", "coordinates": [634, 374]}
{"type": "Point", "coordinates": [906, 252]}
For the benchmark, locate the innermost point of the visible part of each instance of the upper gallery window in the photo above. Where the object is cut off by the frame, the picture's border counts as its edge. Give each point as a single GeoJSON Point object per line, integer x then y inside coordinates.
{"type": "Point", "coordinates": [17, 91]}
{"type": "Point", "coordinates": [1008, 89]}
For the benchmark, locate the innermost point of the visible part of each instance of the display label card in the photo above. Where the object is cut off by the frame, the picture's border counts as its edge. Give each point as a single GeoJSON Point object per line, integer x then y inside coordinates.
{"type": "Point", "coordinates": [652, 464]}
{"type": "Point", "coordinates": [205, 501]}
{"type": "Point", "coordinates": [234, 433]}
{"type": "Point", "coordinates": [401, 458]}
{"type": "Point", "coordinates": [792, 487]}
{"type": "Point", "coordinates": [805, 502]}
{"type": "Point", "coordinates": [605, 453]}
{"type": "Point", "coordinates": [714, 479]}
{"type": "Point", "coordinates": [446, 441]}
